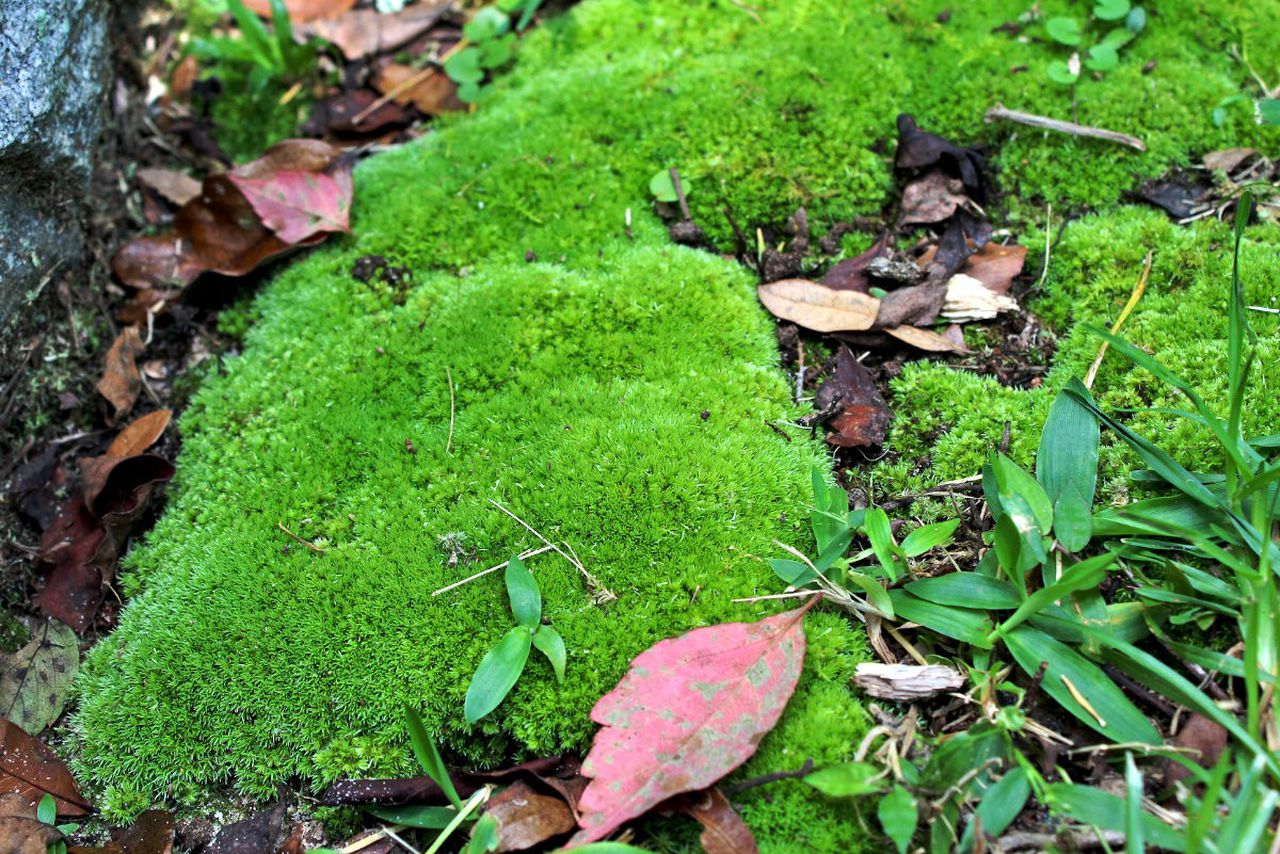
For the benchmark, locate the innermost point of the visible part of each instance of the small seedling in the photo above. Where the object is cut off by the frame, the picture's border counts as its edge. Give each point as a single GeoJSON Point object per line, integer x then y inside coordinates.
{"type": "Point", "coordinates": [1101, 54]}
{"type": "Point", "coordinates": [268, 56]}
{"type": "Point", "coordinates": [490, 44]}
{"type": "Point", "coordinates": [501, 666]}
{"type": "Point", "coordinates": [47, 813]}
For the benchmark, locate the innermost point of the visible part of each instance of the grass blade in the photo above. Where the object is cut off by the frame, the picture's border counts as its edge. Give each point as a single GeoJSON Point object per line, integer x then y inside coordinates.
{"type": "Point", "coordinates": [429, 757]}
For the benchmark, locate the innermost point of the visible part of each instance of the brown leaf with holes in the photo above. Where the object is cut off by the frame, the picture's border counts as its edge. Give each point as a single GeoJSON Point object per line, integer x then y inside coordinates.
{"type": "Point", "coordinates": [301, 11]}
{"type": "Point", "coordinates": [29, 768]}
{"type": "Point", "coordinates": [121, 382]}
{"type": "Point", "coordinates": [294, 195]}
{"type": "Point", "coordinates": [35, 681]}
{"type": "Point", "coordinates": [366, 32]}
{"type": "Point", "coordinates": [526, 818]}
{"type": "Point", "coordinates": [819, 307]}
{"type": "Point", "coordinates": [432, 92]}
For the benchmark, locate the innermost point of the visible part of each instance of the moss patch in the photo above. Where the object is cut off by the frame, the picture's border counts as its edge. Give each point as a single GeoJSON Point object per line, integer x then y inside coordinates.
{"type": "Point", "coordinates": [580, 381]}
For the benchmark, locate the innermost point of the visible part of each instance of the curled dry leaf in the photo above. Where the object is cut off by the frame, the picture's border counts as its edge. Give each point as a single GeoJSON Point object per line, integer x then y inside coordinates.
{"type": "Point", "coordinates": [29, 768]}
{"type": "Point", "coordinates": [365, 32]}
{"type": "Point", "coordinates": [121, 382]}
{"type": "Point", "coordinates": [723, 830]}
{"type": "Point", "coordinates": [296, 193]}
{"type": "Point", "coordinates": [526, 818]}
{"type": "Point", "coordinates": [689, 711]}
{"type": "Point", "coordinates": [861, 417]}
{"type": "Point", "coordinates": [969, 299]}
{"type": "Point", "coordinates": [919, 149]}
{"type": "Point", "coordinates": [432, 92]}
{"type": "Point", "coordinates": [903, 683]}
{"type": "Point", "coordinates": [36, 680]}
{"type": "Point", "coordinates": [819, 307]}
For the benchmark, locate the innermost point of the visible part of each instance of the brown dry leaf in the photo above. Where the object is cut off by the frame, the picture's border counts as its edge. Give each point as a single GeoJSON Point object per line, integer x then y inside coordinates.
{"type": "Point", "coordinates": [433, 93]}
{"type": "Point", "coordinates": [996, 265]}
{"type": "Point", "coordinates": [260, 832]}
{"type": "Point", "coordinates": [222, 230]}
{"type": "Point", "coordinates": [917, 305]}
{"type": "Point", "coordinates": [337, 116]}
{"type": "Point", "coordinates": [862, 416]}
{"type": "Point", "coordinates": [526, 818]}
{"type": "Point", "coordinates": [819, 307]}
{"type": "Point", "coordinates": [26, 835]}
{"type": "Point", "coordinates": [184, 77]}
{"type": "Point", "coordinates": [121, 382]}
{"type": "Point", "coordinates": [301, 11]}
{"type": "Point", "coordinates": [30, 769]}
{"type": "Point", "coordinates": [906, 682]}
{"type": "Point", "coordinates": [171, 185]}
{"type": "Point", "coordinates": [142, 433]}
{"type": "Point", "coordinates": [1228, 159]}
{"type": "Point", "coordinates": [723, 830]}
{"type": "Point", "coordinates": [924, 339]}
{"type": "Point", "coordinates": [851, 273]}
{"type": "Point", "coordinates": [365, 32]}
{"type": "Point", "coordinates": [931, 198]}
{"type": "Point", "coordinates": [150, 833]}
{"type": "Point", "coordinates": [1204, 738]}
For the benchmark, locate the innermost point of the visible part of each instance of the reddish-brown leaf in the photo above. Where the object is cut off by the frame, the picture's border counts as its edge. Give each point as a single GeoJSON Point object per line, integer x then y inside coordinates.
{"type": "Point", "coordinates": [365, 32]}
{"type": "Point", "coordinates": [862, 417]}
{"type": "Point", "coordinates": [689, 711]}
{"type": "Point", "coordinates": [851, 273]}
{"type": "Point", "coordinates": [723, 830]}
{"type": "Point", "coordinates": [140, 434]}
{"type": "Point", "coordinates": [151, 833]}
{"type": "Point", "coordinates": [121, 383]}
{"type": "Point", "coordinates": [26, 835]}
{"type": "Point", "coordinates": [302, 185]}
{"type": "Point", "coordinates": [29, 768]}
{"type": "Point", "coordinates": [526, 818]}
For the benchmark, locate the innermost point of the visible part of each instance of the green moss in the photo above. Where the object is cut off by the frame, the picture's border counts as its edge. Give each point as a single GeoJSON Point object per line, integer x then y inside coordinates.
{"type": "Point", "coordinates": [580, 381]}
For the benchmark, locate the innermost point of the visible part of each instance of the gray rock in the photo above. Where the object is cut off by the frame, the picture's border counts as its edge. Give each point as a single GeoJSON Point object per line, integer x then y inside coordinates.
{"type": "Point", "coordinates": [53, 77]}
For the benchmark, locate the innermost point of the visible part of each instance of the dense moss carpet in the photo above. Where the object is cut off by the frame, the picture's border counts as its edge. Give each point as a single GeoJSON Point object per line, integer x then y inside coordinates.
{"type": "Point", "coordinates": [581, 380]}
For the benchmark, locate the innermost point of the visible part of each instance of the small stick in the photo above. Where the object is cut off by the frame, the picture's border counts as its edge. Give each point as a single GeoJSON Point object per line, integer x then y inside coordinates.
{"type": "Point", "coordinates": [778, 430]}
{"type": "Point", "coordinates": [448, 445]}
{"type": "Point", "coordinates": [675, 182]}
{"type": "Point", "coordinates": [1000, 112]}
{"type": "Point", "coordinates": [603, 593]}
{"type": "Point", "coordinates": [1138, 290]}
{"type": "Point", "coordinates": [525, 555]}
{"type": "Point", "coordinates": [746, 785]}
{"type": "Point", "coordinates": [407, 84]}
{"type": "Point", "coordinates": [311, 546]}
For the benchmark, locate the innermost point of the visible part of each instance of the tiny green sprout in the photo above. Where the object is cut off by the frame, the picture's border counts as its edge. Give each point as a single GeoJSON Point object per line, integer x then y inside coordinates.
{"type": "Point", "coordinates": [502, 665]}
{"type": "Point", "coordinates": [1096, 53]}
{"type": "Point", "coordinates": [664, 189]}
{"type": "Point", "coordinates": [490, 44]}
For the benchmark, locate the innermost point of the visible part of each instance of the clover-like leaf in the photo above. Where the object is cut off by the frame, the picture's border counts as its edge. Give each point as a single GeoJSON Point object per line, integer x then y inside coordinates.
{"type": "Point", "coordinates": [1060, 72]}
{"type": "Point", "coordinates": [1102, 57]}
{"type": "Point", "coordinates": [1064, 30]}
{"type": "Point", "coordinates": [1111, 10]}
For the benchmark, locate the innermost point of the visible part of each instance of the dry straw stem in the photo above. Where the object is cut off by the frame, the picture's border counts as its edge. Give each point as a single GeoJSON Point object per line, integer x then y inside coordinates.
{"type": "Point", "coordinates": [525, 555]}
{"type": "Point", "coordinates": [599, 593]}
{"type": "Point", "coordinates": [1138, 290]}
{"type": "Point", "coordinates": [1031, 119]}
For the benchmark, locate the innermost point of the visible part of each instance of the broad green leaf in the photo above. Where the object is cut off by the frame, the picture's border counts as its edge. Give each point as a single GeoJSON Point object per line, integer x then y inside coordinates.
{"type": "Point", "coordinates": [1072, 524]}
{"type": "Point", "coordinates": [664, 189]}
{"type": "Point", "coordinates": [1268, 111]}
{"type": "Point", "coordinates": [847, 780]}
{"type": "Point", "coordinates": [876, 594]}
{"type": "Point", "coordinates": [1068, 453]}
{"type": "Point", "coordinates": [1063, 30]}
{"type": "Point", "coordinates": [526, 598]}
{"type": "Point", "coordinates": [1111, 10]}
{"type": "Point", "coordinates": [464, 66]}
{"type": "Point", "coordinates": [1170, 513]}
{"type": "Point", "coordinates": [834, 550]}
{"type": "Point", "coordinates": [898, 816]}
{"type": "Point", "coordinates": [1097, 808]}
{"type": "Point", "coordinates": [1102, 57]}
{"type": "Point", "coordinates": [430, 818]}
{"type": "Point", "coordinates": [1084, 575]}
{"type": "Point", "coordinates": [484, 836]}
{"type": "Point", "coordinates": [792, 572]}
{"type": "Point", "coordinates": [928, 537]}
{"type": "Point", "coordinates": [550, 644]}
{"type": "Point", "coordinates": [497, 674]}
{"type": "Point", "coordinates": [999, 807]}
{"type": "Point", "coordinates": [47, 809]}
{"type": "Point", "coordinates": [429, 757]}
{"type": "Point", "coordinates": [1119, 37]}
{"type": "Point", "coordinates": [967, 590]}
{"type": "Point", "coordinates": [1012, 480]}
{"type": "Point", "coordinates": [487, 23]}
{"type": "Point", "coordinates": [1062, 73]}
{"type": "Point", "coordinates": [497, 52]}
{"type": "Point", "coordinates": [960, 755]}
{"type": "Point", "coordinates": [958, 623]}
{"type": "Point", "coordinates": [881, 537]}
{"type": "Point", "coordinates": [1113, 714]}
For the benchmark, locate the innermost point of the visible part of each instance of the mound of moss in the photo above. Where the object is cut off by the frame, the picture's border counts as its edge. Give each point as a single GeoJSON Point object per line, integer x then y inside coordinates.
{"type": "Point", "coordinates": [580, 382]}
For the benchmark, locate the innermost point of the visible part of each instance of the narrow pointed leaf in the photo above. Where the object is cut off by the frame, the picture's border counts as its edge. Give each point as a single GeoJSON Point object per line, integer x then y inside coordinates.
{"type": "Point", "coordinates": [429, 757]}
{"type": "Point", "coordinates": [550, 644]}
{"type": "Point", "coordinates": [967, 590]}
{"type": "Point", "coordinates": [497, 674]}
{"type": "Point", "coordinates": [522, 589]}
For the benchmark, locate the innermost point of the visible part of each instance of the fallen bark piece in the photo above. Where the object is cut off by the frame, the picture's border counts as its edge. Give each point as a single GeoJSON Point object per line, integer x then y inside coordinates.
{"type": "Point", "coordinates": [969, 299]}
{"type": "Point", "coordinates": [906, 682]}
{"type": "Point", "coordinates": [690, 710]}
{"type": "Point", "coordinates": [819, 307]}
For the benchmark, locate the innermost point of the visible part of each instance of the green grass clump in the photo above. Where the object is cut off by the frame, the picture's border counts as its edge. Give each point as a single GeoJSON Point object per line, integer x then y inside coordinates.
{"type": "Point", "coordinates": [579, 386]}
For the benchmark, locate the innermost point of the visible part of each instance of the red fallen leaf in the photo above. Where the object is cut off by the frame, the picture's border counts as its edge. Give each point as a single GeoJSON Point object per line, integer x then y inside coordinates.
{"type": "Point", "coordinates": [222, 231]}
{"type": "Point", "coordinates": [689, 711]}
{"type": "Point", "coordinates": [365, 32]}
{"type": "Point", "coordinates": [526, 818]}
{"type": "Point", "coordinates": [303, 10]}
{"type": "Point", "coordinates": [432, 92]}
{"type": "Point", "coordinates": [29, 768]}
{"type": "Point", "coordinates": [121, 383]}
{"type": "Point", "coordinates": [723, 830]}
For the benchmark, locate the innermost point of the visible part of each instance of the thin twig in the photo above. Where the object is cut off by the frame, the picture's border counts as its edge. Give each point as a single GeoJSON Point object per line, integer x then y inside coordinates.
{"type": "Point", "coordinates": [600, 593]}
{"type": "Point", "coordinates": [1138, 290]}
{"type": "Point", "coordinates": [407, 84]}
{"type": "Point", "coordinates": [747, 785]}
{"type": "Point", "coordinates": [448, 445]}
{"type": "Point", "coordinates": [312, 546]}
{"type": "Point", "coordinates": [679, 188]}
{"type": "Point", "coordinates": [1000, 112]}
{"type": "Point", "coordinates": [525, 555]}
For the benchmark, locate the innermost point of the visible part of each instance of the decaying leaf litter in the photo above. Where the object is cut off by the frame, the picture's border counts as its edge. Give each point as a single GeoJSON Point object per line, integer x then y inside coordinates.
{"type": "Point", "coordinates": [960, 275]}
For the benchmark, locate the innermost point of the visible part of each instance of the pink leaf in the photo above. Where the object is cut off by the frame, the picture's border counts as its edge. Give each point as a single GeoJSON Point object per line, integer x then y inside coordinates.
{"type": "Point", "coordinates": [299, 188]}
{"type": "Point", "coordinates": [690, 710]}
